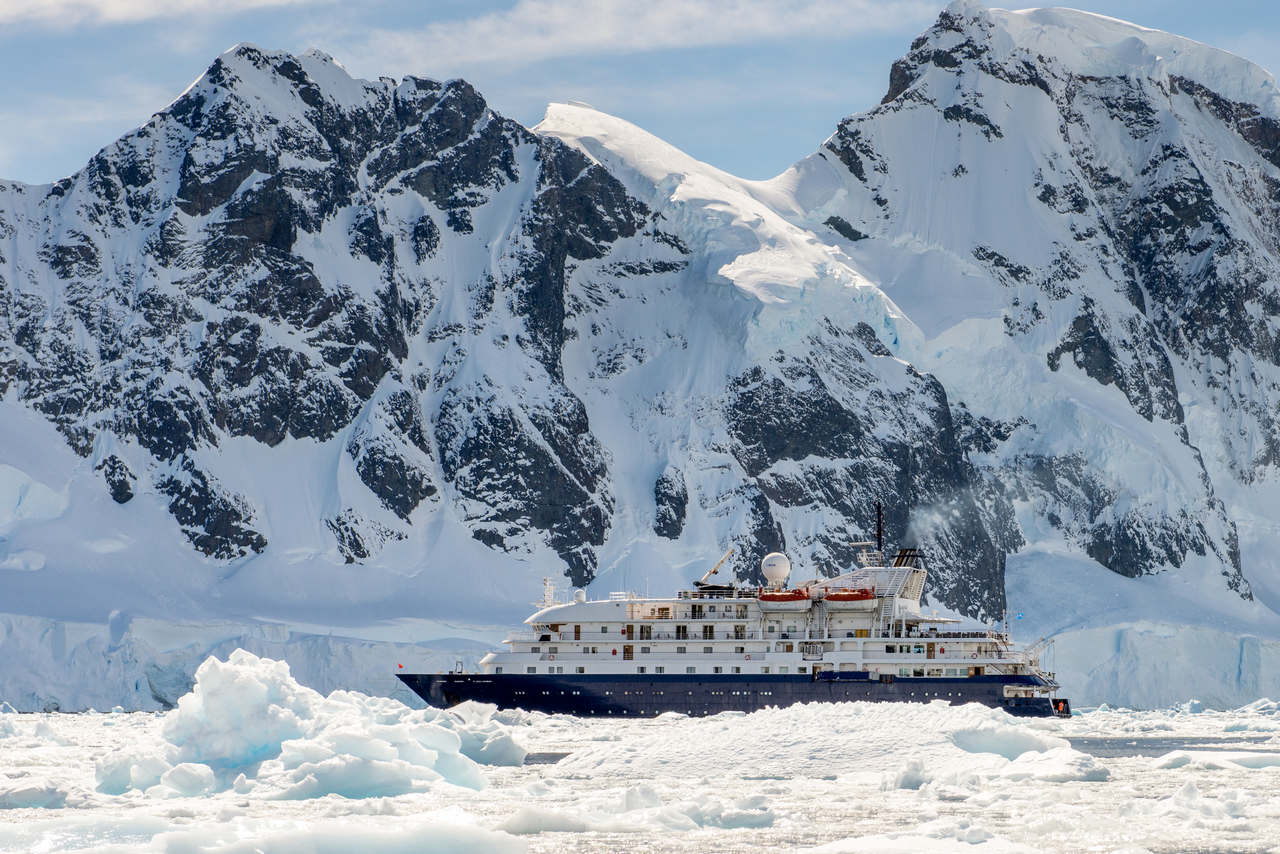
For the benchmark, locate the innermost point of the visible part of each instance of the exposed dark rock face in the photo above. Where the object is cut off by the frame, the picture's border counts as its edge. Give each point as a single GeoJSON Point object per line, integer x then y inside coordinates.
{"type": "Point", "coordinates": [119, 479]}
{"type": "Point", "coordinates": [1183, 233]}
{"type": "Point", "coordinates": [672, 500]}
{"type": "Point", "coordinates": [231, 321]}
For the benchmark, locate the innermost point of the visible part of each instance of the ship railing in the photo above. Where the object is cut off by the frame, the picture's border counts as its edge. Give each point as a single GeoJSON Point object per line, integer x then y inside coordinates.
{"type": "Point", "coordinates": [995, 655]}
{"type": "Point", "coordinates": [741, 593]}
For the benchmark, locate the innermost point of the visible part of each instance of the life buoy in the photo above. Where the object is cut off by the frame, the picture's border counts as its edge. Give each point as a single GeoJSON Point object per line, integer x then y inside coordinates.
{"type": "Point", "coordinates": [975, 655]}
{"type": "Point", "coordinates": [551, 658]}
{"type": "Point", "coordinates": [748, 658]}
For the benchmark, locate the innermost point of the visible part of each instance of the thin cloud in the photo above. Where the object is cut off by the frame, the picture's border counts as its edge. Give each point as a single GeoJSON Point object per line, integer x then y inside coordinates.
{"type": "Point", "coordinates": [536, 30]}
{"type": "Point", "coordinates": [65, 13]}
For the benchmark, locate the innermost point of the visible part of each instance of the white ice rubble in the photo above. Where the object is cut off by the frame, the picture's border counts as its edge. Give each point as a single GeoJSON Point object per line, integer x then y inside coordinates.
{"type": "Point", "coordinates": [251, 761]}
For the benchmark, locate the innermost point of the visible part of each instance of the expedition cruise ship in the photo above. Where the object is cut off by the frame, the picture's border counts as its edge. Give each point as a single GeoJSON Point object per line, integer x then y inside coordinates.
{"type": "Point", "coordinates": [719, 648]}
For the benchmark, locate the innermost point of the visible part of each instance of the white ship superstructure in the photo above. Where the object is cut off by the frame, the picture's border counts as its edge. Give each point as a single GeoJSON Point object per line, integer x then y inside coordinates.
{"type": "Point", "coordinates": [865, 621]}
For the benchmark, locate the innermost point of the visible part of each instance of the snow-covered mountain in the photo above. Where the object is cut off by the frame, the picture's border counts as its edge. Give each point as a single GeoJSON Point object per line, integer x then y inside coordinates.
{"type": "Point", "coordinates": [326, 367]}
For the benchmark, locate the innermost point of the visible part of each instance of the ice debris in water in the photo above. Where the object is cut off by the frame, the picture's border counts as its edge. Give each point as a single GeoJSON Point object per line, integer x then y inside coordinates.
{"type": "Point", "coordinates": [637, 809]}
{"type": "Point", "coordinates": [248, 725]}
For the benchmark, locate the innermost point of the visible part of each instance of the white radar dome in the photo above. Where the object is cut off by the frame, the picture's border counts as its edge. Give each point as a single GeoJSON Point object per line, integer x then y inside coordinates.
{"type": "Point", "coordinates": [775, 567]}
{"type": "Point", "coordinates": [579, 595]}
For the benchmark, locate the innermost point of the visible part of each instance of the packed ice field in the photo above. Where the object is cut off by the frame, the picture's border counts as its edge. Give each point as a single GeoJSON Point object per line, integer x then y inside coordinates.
{"type": "Point", "coordinates": [251, 761]}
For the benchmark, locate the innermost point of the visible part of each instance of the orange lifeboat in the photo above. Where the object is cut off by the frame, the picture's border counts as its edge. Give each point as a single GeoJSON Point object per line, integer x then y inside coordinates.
{"type": "Point", "coordinates": [851, 599]}
{"type": "Point", "coordinates": [784, 600]}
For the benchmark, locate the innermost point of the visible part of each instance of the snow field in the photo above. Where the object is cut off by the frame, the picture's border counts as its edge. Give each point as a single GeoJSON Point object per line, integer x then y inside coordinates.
{"type": "Point", "coordinates": [252, 761]}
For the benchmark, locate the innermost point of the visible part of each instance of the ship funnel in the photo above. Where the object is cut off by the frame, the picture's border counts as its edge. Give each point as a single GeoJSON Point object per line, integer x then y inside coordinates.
{"type": "Point", "coordinates": [775, 568]}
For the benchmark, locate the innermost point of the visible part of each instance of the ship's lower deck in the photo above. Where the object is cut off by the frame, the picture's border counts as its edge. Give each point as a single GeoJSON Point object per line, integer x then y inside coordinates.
{"type": "Point", "coordinates": [641, 695]}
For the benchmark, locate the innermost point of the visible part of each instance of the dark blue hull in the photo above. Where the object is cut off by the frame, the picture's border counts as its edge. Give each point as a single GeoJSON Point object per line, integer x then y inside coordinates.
{"type": "Point", "coordinates": [642, 695]}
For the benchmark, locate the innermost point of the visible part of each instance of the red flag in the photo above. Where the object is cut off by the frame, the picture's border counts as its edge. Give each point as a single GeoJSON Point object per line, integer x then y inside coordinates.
{"type": "Point", "coordinates": [401, 666]}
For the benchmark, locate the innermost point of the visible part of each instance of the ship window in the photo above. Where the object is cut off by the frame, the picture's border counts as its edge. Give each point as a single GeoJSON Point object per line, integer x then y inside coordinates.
{"type": "Point", "coordinates": [717, 670]}
{"type": "Point", "coordinates": [559, 670]}
{"type": "Point", "coordinates": [659, 669]}
{"type": "Point", "coordinates": [646, 633]}
{"type": "Point", "coordinates": [579, 670]}
{"type": "Point", "coordinates": [772, 629]}
{"type": "Point", "coordinates": [553, 649]}
{"type": "Point", "coordinates": [680, 650]}
{"type": "Point", "coordinates": [497, 670]}
{"type": "Point", "coordinates": [951, 671]}
{"type": "Point", "coordinates": [739, 649]}
{"type": "Point", "coordinates": [644, 649]}
{"type": "Point", "coordinates": [531, 670]}
{"type": "Point", "coordinates": [682, 632]}
{"type": "Point", "coordinates": [890, 648]}
{"type": "Point", "coordinates": [711, 608]}
{"type": "Point", "coordinates": [739, 632]}
{"type": "Point", "coordinates": [737, 670]}
{"type": "Point", "coordinates": [802, 670]}
{"type": "Point", "coordinates": [919, 650]}
{"type": "Point", "coordinates": [639, 670]}
{"type": "Point", "coordinates": [919, 671]}
{"type": "Point", "coordinates": [595, 649]}
{"type": "Point", "coordinates": [764, 669]}
{"type": "Point", "coordinates": [604, 630]}
{"type": "Point", "coordinates": [706, 649]}
{"type": "Point", "coordinates": [783, 670]}
{"type": "Point", "coordinates": [708, 632]}
{"type": "Point", "coordinates": [535, 649]}
{"type": "Point", "coordinates": [791, 628]}
{"type": "Point", "coordinates": [691, 670]}
{"type": "Point", "coordinates": [586, 649]}
{"type": "Point", "coordinates": [935, 672]}
{"type": "Point", "coordinates": [695, 612]}
{"type": "Point", "coordinates": [664, 613]}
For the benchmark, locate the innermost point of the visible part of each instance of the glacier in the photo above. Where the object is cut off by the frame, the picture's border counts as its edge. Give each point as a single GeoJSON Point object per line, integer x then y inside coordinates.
{"type": "Point", "coordinates": [334, 371]}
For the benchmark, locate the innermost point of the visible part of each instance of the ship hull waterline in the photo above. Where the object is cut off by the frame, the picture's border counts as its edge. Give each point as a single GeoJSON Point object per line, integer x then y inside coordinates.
{"type": "Point", "coordinates": [698, 695]}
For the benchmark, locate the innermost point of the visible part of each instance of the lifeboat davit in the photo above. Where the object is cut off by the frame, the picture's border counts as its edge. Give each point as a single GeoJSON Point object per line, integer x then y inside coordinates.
{"type": "Point", "coordinates": [851, 599]}
{"type": "Point", "coordinates": [784, 600]}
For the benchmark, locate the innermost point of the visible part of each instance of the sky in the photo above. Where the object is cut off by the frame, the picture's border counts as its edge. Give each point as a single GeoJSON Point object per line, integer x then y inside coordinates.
{"type": "Point", "coordinates": [750, 86]}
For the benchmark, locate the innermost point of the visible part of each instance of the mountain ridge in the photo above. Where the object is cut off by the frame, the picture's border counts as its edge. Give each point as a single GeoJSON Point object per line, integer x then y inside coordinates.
{"type": "Point", "coordinates": [362, 352]}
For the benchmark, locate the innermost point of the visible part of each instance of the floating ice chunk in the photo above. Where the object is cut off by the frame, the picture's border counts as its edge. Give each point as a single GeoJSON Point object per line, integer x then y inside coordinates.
{"type": "Point", "coordinates": [1060, 765]}
{"type": "Point", "coordinates": [527, 820]}
{"type": "Point", "coordinates": [912, 775]}
{"type": "Point", "coordinates": [32, 792]}
{"type": "Point", "coordinates": [189, 779]}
